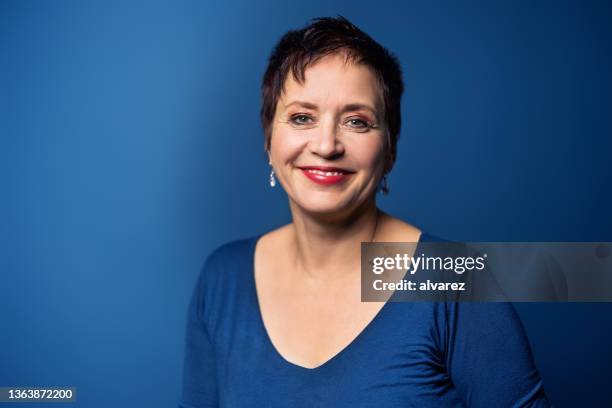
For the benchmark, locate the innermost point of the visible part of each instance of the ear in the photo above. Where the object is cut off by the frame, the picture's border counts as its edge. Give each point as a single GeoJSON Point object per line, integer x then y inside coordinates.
{"type": "Point", "coordinates": [389, 162]}
{"type": "Point", "coordinates": [389, 156]}
{"type": "Point", "coordinates": [267, 146]}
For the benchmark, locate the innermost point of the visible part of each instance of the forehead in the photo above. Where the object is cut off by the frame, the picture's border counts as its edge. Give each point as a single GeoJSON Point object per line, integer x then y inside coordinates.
{"type": "Point", "coordinates": [334, 80]}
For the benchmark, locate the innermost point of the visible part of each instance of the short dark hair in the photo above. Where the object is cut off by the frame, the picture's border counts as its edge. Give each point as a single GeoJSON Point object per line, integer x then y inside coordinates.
{"type": "Point", "coordinates": [298, 49]}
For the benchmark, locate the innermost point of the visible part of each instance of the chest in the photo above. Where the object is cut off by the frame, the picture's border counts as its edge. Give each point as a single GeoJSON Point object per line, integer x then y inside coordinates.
{"type": "Point", "coordinates": [391, 363]}
{"type": "Point", "coordinates": [310, 326]}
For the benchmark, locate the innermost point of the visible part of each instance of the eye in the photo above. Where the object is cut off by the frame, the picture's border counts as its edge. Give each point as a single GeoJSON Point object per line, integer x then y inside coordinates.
{"type": "Point", "coordinates": [301, 119]}
{"type": "Point", "coordinates": [358, 124]}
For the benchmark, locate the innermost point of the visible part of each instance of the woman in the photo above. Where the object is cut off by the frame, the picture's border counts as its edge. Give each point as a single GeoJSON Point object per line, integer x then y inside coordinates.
{"type": "Point", "coordinates": [277, 320]}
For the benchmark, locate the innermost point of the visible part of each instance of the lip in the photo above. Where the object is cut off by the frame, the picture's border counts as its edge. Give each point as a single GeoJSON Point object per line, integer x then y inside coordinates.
{"type": "Point", "coordinates": [325, 175]}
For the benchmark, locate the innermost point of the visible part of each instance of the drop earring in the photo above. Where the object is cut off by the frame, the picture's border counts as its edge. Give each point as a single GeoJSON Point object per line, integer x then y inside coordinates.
{"type": "Point", "coordinates": [272, 178]}
{"type": "Point", "coordinates": [383, 185]}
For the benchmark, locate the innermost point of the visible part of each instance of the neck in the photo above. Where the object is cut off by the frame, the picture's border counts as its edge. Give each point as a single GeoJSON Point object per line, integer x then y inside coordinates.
{"type": "Point", "coordinates": [329, 248]}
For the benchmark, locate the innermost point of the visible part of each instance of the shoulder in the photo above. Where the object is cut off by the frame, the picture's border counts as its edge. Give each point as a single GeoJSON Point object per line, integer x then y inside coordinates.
{"type": "Point", "coordinates": [230, 251]}
{"type": "Point", "coordinates": [276, 238]}
{"type": "Point", "coordinates": [392, 229]}
{"type": "Point", "coordinates": [272, 246]}
{"type": "Point", "coordinates": [227, 261]}
{"type": "Point", "coordinates": [224, 278]}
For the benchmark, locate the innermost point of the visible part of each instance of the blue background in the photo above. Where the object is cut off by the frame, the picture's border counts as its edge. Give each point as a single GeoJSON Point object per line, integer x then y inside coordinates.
{"type": "Point", "coordinates": [131, 147]}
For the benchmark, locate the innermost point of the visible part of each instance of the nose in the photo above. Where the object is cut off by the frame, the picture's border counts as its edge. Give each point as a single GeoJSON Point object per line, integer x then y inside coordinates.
{"type": "Point", "coordinates": [326, 143]}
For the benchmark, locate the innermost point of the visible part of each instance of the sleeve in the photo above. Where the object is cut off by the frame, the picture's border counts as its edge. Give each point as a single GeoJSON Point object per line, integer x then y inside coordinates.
{"type": "Point", "coordinates": [199, 388]}
{"type": "Point", "coordinates": [489, 358]}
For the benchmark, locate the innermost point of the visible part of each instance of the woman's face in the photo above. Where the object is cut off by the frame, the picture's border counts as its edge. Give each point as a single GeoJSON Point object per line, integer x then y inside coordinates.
{"type": "Point", "coordinates": [328, 138]}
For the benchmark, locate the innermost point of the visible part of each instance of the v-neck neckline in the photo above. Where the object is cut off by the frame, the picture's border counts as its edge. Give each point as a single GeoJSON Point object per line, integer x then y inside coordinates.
{"type": "Point", "coordinates": [334, 358]}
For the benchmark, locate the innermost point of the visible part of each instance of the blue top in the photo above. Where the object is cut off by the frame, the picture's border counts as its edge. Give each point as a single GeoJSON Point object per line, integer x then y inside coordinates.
{"type": "Point", "coordinates": [412, 354]}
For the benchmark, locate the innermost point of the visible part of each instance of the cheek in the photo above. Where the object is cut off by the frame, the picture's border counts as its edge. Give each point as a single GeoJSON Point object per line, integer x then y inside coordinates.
{"type": "Point", "coordinates": [368, 153]}
{"type": "Point", "coordinates": [285, 146]}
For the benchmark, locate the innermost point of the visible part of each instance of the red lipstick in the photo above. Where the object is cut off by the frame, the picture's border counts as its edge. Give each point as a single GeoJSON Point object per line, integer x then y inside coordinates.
{"type": "Point", "coordinates": [326, 176]}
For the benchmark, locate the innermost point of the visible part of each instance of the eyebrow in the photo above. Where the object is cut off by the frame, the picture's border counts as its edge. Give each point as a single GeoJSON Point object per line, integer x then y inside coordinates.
{"type": "Point", "coordinates": [347, 108]}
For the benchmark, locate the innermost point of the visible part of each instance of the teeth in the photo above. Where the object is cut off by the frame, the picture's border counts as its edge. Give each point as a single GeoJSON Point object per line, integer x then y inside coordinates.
{"type": "Point", "coordinates": [324, 173]}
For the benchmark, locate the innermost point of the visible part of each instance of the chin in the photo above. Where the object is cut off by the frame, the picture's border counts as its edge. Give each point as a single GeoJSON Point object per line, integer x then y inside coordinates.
{"type": "Point", "coordinates": [324, 204]}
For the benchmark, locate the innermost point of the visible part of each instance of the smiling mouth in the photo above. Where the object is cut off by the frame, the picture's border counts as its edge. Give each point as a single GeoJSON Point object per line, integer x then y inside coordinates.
{"type": "Point", "coordinates": [326, 175]}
